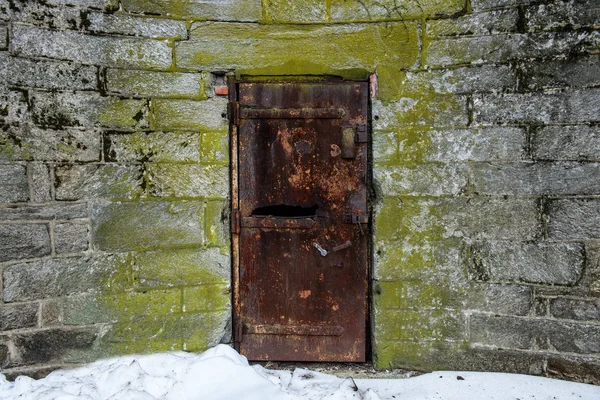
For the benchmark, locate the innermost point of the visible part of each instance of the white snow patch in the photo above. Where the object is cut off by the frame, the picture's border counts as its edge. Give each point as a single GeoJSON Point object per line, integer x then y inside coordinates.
{"type": "Point", "coordinates": [221, 373]}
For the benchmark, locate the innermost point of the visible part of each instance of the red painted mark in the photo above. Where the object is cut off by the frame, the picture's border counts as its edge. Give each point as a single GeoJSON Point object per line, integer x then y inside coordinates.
{"type": "Point", "coordinates": [221, 90]}
{"type": "Point", "coordinates": [373, 85]}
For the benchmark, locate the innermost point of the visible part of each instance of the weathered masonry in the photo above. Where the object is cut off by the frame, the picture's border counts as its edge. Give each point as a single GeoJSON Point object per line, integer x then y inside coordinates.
{"type": "Point", "coordinates": [115, 183]}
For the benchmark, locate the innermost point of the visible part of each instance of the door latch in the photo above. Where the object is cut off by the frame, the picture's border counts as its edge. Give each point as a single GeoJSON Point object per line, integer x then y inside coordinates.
{"type": "Point", "coordinates": [351, 218]}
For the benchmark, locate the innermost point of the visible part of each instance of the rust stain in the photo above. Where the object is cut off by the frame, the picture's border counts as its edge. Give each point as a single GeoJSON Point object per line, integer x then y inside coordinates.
{"type": "Point", "coordinates": [304, 294]}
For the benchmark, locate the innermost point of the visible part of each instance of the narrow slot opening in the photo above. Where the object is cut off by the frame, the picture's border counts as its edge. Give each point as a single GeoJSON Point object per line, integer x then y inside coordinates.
{"type": "Point", "coordinates": [286, 211]}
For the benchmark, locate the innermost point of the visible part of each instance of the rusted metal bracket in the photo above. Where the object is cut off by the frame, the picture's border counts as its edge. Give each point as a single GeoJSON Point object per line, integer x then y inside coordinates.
{"type": "Point", "coordinates": [238, 336]}
{"type": "Point", "coordinates": [235, 221]}
{"type": "Point", "coordinates": [233, 112]}
{"type": "Point", "coordinates": [292, 113]}
{"type": "Point", "coordinates": [304, 330]}
{"type": "Point", "coordinates": [352, 218]}
{"type": "Point", "coordinates": [348, 143]}
{"type": "Point", "coordinates": [361, 135]}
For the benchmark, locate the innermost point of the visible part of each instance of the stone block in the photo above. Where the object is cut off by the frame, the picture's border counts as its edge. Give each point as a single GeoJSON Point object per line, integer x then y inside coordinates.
{"type": "Point", "coordinates": [480, 24]}
{"type": "Point", "coordinates": [154, 84]}
{"type": "Point", "coordinates": [24, 241]}
{"type": "Point", "coordinates": [432, 264]}
{"type": "Point", "coordinates": [577, 309]}
{"type": "Point", "coordinates": [503, 48]}
{"type": "Point", "coordinates": [28, 142]}
{"type": "Point", "coordinates": [534, 334]}
{"type": "Point", "coordinates": [219, 10]}
{"type": "Point", "coordinates": [578, 143]}
{"type": "Point", "coordinates": [43, 14]}
{"type": "Point", "coordinates": [573, 14]}
{"type": "Point", "coordinates": [86, 309]}
{"type": "Point", "coordinates": [541, 263]}
{"type": "Point", "coordinates": [592, 252]}
{"type": "Point", "coordinates": [52, 313]}
{"type": "Point", "coordinates": [418, 219]}
{"type": "Point", "coordinates": [153, 147]}
{"type": "Point", "coordinates": [206, 298]}
{"type": "Point", "coordinates": [34, 372]}
{"type": "Point", "coordinates": [437, 111]}
{"type": "Point", "coordinates": [124, 24]}
{"type": "Point", "coordinates": [482, 78]}
{"type": "Point", "coordinates": [98, 4]}
{"type": "Point", "coordinates": [478, 5]}
{"type": "Point", "coordinates": [51, 345]}
{"type": "Point", "coordinates": [391, 10]}
{"type": "Point", "coordinates": [424, 179]}
{"type": "Point", "coordinates": [540, 178]}
{"type": "Point", "coordinates": [216, 221]}
{"type": "Point", "coordinates": [541, 305]}
{"type": "Point", "coordinates": [31, 41]}
{"type": "Point", "coordinates": [273, 49]}
{"type": "Point", "coordinates": [411, 294]}
{"type": "Point", "coordinates": [294, 11]}
{"type": "Point", "coordinates": [49, 212]}
{"type": "Point", "coordinates": [424, 356]}
{"type": "Point", "coordinates": [428, 325]}
{"type": "Point", "coordinates": [41, 185]}
{"type": "Point", "coordinates": [505, 332]}
{"type": "Point", "coordinates": [18, 316]}
{"type": "Point", "coordinates": [215, 147]}
{"type": "Point", "coordinates": [51, 74]}
{"type": "Point", "coordinates": [14, 108]}
{"type": "Point", "coordinates": [71, 238]}
{"type": "Point", "coordinates": [578, 72]}
{"type": "Point", "coordinates": [4, 357]}
{"type": "Point", "coordinates": [577, 369]}
{"type": "Point", "coordinates": [385, 147]}
{"type": "Point", "coordinates": [13, 180]}
{"type": "Point", "coordinates": [92, 181]}
{"type": "Point", "coordinates": [146, 225]}
{"type": "Point", "coordinates": [87, 109]}
{"type": "Point", "coordinates": [188, 180]}
{"type": "Point", "coordinates": [573, 218]}
{"type": "Point", "coordinates": [55, 277]}
{"type": "Point", "coordinates": [3, 37]}
{"type": "Point", "coordinates": [455, 145]}
{"type": "Point", "coordinates": [132, 305]}
{"type": "Point", "coordinates": [570, 106]}
{"type": "Point", "coordinates": [189, 115]}
{"type": "Point", "coordinates": [504, 299]}
{"type": "Point", "coordinates": [181, 267]}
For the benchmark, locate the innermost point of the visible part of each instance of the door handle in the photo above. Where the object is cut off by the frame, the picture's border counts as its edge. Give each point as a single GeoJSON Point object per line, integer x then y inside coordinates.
{"type": "Point", "coordinates": [342, 246]}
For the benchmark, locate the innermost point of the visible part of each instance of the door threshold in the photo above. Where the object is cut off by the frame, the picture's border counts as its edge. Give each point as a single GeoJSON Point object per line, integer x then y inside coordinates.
{"type": "Point", "coordinates": [341, 370]}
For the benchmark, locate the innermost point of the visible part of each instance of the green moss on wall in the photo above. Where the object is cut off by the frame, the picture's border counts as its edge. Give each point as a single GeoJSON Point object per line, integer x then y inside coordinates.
{"type": "Point", "coordinates": [161, 300]}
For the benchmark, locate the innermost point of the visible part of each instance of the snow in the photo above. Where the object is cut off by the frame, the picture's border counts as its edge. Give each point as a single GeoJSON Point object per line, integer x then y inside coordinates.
{"type": "Point", "coordinates": [221, 373]}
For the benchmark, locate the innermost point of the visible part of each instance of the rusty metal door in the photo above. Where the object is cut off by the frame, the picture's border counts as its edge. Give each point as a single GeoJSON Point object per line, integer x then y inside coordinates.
{"type": "Point", "coordinates": [300, 219]}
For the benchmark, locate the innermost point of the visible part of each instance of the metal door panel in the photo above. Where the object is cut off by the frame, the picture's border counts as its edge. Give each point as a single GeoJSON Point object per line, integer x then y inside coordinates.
{"type": "Point", "coordinates": [301, 232]}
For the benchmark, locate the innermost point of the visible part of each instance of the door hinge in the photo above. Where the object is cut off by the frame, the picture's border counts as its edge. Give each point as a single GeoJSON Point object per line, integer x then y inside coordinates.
{"type": "Point", "coordinates": [235, 221]}
{"type": "Point", "coordinates": [233, 112]}
{"type": "Point", "coordinates": [352, 218]}
{"type": "Point", "coordinates": [238, 336]}
{"type": "Point", "coordinates": [361, 135]}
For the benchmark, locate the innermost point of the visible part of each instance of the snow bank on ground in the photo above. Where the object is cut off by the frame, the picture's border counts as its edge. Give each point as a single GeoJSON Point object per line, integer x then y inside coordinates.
{"type": "Point", "coordinates": [221, 373]}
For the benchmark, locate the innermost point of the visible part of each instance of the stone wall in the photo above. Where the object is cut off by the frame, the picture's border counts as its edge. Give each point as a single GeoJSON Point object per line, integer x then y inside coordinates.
{"type": "Point", "coordinates": [486, 147]}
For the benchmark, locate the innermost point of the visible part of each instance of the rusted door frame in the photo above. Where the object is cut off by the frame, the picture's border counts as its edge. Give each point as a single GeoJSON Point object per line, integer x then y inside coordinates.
{"type": "Point", "coordinates": [233, 112]}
